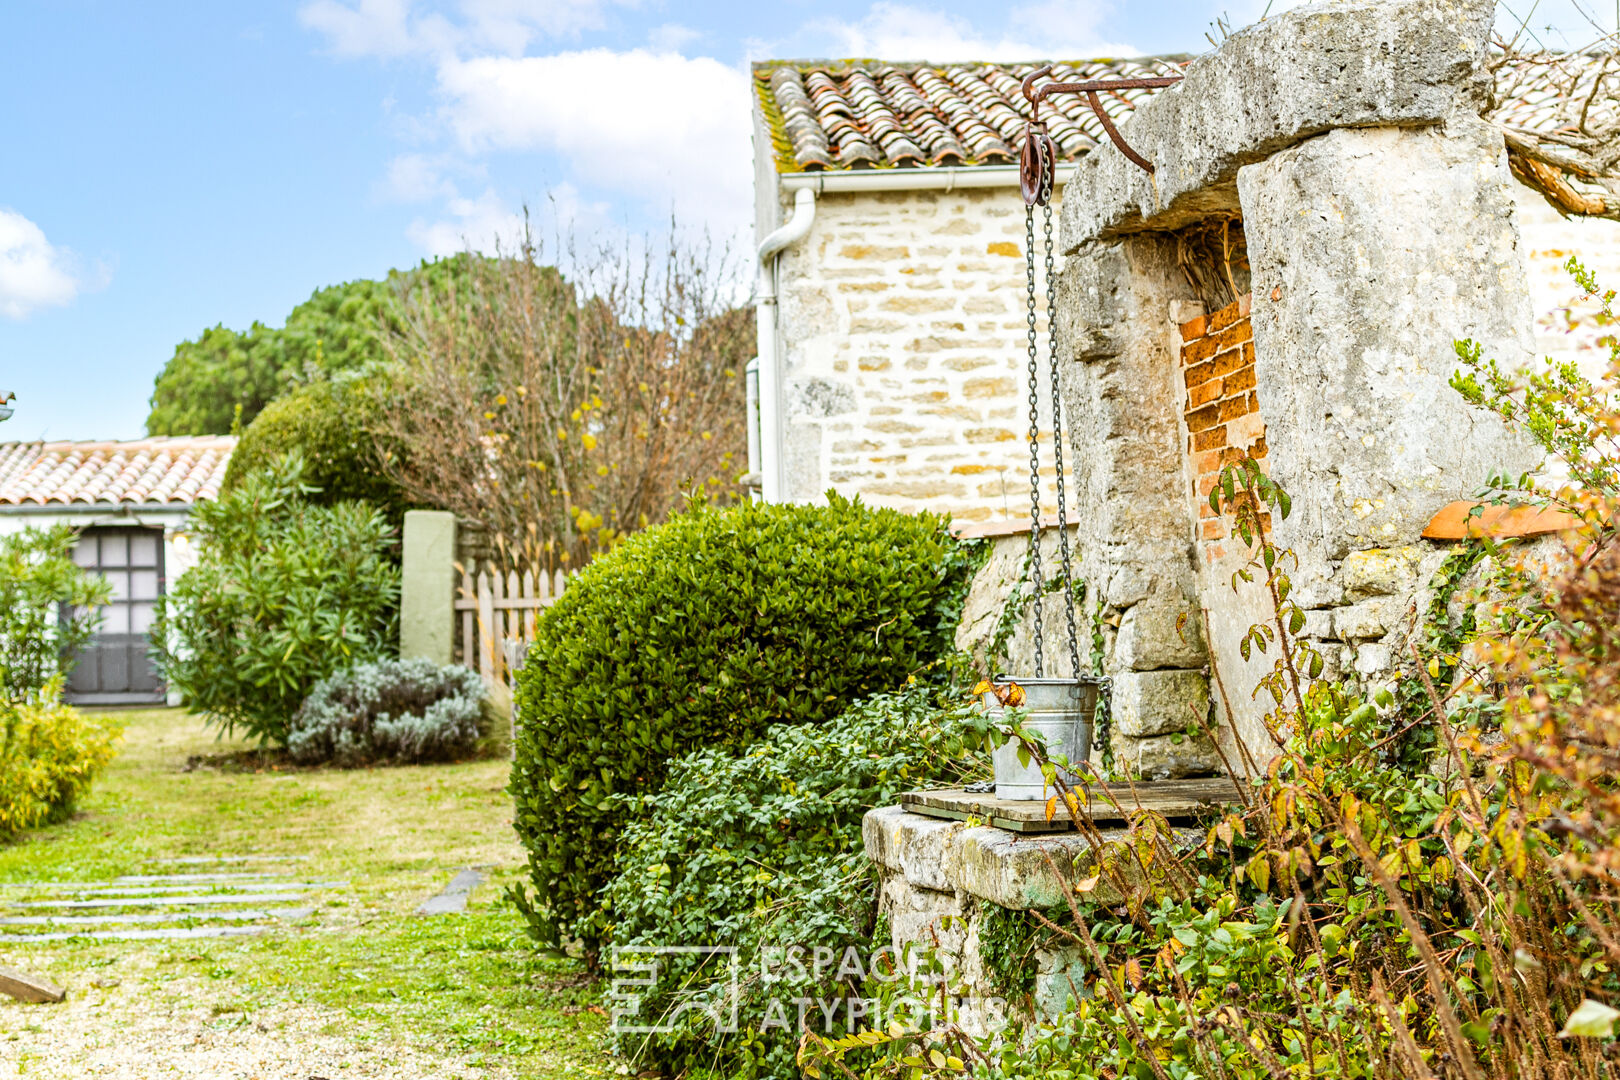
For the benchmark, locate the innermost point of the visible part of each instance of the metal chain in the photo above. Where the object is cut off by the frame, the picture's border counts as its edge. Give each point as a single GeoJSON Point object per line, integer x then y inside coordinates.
{"type": "Point", "coordinates": [1057, 450]}
{"type": "Point", "coordinates": [1037, 585]}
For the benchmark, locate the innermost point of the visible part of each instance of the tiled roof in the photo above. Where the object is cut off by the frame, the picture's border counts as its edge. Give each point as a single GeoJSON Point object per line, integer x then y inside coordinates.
{"type": "Point", "coordinates": [178, 470]}
{"type": "Point", "coordinates": [872, 114]}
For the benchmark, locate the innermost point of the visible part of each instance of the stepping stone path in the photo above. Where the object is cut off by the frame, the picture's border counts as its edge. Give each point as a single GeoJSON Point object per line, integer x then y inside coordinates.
{"type": "Point", "coordinates": [185, 904]}
{"type": "Point", "coordinates": [453, 900]}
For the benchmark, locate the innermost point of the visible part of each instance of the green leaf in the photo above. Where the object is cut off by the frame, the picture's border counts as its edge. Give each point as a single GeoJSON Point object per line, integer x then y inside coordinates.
{"type": "Point", "coordinates": [1591, 1019]}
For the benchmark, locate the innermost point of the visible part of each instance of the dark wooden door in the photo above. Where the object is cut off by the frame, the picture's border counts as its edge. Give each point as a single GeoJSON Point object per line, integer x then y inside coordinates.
{"type": "Point", "coordinates": [116, 667]}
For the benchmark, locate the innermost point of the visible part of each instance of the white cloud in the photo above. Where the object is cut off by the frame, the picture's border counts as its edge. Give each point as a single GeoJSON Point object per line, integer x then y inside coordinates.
{"type": "Point", "coordinates": [418, 178]}
{"type": "Point", "coordinates": [482, 224]}
{"type": "Point", "coordinates": [667, 130]}
{"type": "Point", "coordinates": [502, 27]}
{"type": "Point", "coordinates": [33, 273]}
{"type": "Point", "coordinates": [898, 31]}
{"type": "Point", "coordinates": [671, 37]}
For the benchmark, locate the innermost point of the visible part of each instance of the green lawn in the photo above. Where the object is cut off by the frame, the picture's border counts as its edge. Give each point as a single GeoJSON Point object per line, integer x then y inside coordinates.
{"type": "Point", "coordinates": [467, 989]}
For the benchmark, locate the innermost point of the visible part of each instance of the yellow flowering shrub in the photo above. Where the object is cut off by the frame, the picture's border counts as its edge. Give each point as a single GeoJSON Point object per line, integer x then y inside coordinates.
{"type": "Point", "coordinates": [49, 754]}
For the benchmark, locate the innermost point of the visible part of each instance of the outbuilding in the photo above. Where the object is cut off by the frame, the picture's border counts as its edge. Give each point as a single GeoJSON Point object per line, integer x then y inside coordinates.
{"type": "Point", "coordinates": [131, 502]}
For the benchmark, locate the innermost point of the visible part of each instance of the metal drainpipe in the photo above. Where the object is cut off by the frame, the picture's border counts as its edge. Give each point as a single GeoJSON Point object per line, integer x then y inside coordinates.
{"type": "Point", "coordinates": [752, 382]}
{"type": "Point", "coordinates": [770, 361]}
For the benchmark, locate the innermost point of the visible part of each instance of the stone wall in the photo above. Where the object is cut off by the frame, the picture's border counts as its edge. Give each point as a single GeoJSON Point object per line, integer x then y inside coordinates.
{"type": "Point", "coordinates": [905, 366]}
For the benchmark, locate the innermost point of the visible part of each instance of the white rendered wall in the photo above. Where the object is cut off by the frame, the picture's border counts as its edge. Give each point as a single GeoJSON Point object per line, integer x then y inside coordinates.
{"type": "Point", "coordinates": [1549, 241]}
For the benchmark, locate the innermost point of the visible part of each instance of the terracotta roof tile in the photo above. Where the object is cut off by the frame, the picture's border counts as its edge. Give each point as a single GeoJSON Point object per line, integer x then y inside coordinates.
{"type": "Point", "coordinates": [159, 470]}
{"type": "Point", "coordinates": [873, 114]}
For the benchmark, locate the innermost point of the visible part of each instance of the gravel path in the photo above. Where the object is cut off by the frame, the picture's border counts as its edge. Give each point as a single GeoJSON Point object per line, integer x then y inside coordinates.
{"type": "Point", "coordinates": [145, 1030]}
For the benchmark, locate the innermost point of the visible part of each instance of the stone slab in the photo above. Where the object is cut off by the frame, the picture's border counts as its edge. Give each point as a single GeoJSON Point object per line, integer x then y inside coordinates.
{"type": "Point", "coordinates": [1175, 799]}
{"type": "Point", "coordinates": [289, 914]}
{"type": "Point", "coordinates": [1273, 85]}
{"type": "Point", "coordinates": [453, 899]}
{"type": "Point", "coordinates": [29, 988]}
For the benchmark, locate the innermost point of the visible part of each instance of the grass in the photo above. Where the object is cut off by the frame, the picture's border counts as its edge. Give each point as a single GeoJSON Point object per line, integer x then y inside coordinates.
{"type": "Point", "coordinates": [469, 987]}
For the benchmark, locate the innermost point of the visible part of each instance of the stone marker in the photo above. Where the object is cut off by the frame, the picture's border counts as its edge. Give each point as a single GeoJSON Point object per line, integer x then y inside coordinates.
{"type": "Point", "coordinates": [453, 900]}
{"type": "Point", "coordinates": [29, 988]}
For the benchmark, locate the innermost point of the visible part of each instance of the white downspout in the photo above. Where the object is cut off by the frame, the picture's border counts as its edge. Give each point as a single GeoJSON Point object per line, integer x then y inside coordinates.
{"type": "Point", "coordinates": [770, 360]}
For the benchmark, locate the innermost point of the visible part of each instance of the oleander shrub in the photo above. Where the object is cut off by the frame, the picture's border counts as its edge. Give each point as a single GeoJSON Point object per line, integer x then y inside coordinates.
{"type": "Point", "coordinates": [284, 593]}
{"type": "Point", "coordinates": [762, 850]}
{"type": "Point", "coordinates": [399, 711]}
{"type": "Point", "coordinates": [701, 633]}
{"type": "Point", "coordinates": [49, 754]}
{"type": "Point", "coordinates": [333, 424]}
{"type": "Point", "coordinates": [49, 608]}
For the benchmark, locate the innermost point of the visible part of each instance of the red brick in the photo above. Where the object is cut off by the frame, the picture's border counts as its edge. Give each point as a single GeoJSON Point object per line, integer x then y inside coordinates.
{"type": "Point", "coordinates": [1212, 530]}
{"type": "Point", "coordinates": [1254, 402]}
{"type": "Point", "coordinates": [1192, 329]}
{"type": "Point", "coordinates": [1203, 419]}
{"type": "Point", "coordinates": [1195, 351]}
{"type": "Point", "coordinates": [1204, 393]}
{"type": "Point", "coordinates": [1258, 449]}
{"type": "Point", "coordinates": [1248, 352]}
{"type": "Point", "coordinates": [1225, 317]}
{"type": "Point", "coordinates": [1241, 379]}
{"type": "Point", "coordinates": [1213, 439]}
{"type": "Point", "coordinates": [1229, 361]}
{"type": "Point", "coordinates": [1200, 373]}
{"type": "Point", "coordinates": [1205, 484]}
{"type": "Point", "coordinates": [1246, 304]}
{"type": "Point", "coordinates": [1234, 407]}
{"type": "Point", "coordinates": [1239, 333]}
{"type": "Point", "coordinates": [1204, 509]}
{"type": "Point", "coordinates": [1208, 462]}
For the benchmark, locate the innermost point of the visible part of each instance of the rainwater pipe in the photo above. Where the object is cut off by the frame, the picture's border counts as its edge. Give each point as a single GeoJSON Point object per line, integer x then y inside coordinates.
{"type": "Point", "coordinates": [805, 187]}
{"type": "Point", "coordinates": [770, 361]}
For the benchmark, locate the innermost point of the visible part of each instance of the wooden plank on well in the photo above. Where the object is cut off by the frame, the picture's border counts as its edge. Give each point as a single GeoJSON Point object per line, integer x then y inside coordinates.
{"type": "Point", "coordinates": [1172, 798]}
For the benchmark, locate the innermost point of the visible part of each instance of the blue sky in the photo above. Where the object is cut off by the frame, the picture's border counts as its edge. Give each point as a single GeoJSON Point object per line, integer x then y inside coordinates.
{"type": "Point", "coordinates": [166, 166]}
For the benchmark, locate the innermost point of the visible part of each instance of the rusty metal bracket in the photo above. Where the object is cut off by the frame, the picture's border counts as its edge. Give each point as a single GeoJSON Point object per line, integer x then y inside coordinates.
{"type": "Point", "coordinates": [1038, 144]}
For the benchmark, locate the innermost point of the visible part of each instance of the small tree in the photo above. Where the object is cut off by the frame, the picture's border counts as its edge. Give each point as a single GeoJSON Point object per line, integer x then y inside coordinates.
{"type": "Point", "coordinates": [49, 608]}
{"type": "Point", "coordinates": [285, 592]}
{"type": "Point", "coordinates": [561, 414]}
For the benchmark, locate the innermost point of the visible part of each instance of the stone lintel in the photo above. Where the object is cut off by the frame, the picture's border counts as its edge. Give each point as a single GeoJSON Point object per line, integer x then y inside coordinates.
{"type": "Point", "coordinates": [1270, 86]}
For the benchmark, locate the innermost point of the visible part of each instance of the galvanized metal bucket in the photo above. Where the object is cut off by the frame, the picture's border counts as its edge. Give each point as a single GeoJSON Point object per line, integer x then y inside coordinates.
{"type": "Point", "coordinates": [1061, 711]}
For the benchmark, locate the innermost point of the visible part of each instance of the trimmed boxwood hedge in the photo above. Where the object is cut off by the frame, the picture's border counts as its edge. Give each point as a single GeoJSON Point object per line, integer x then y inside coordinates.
{"type": "Point", "coordinates": [698, 634]}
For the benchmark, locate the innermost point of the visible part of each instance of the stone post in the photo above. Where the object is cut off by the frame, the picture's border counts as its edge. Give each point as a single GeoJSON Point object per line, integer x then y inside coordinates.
{"type": "Point", "coordinates": [427, 616]}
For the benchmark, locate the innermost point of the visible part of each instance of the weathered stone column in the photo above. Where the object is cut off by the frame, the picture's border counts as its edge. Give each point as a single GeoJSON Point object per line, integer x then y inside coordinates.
{"type": "Point", "coordinates": [1117, 304]}
{"type": "Point", "coordinates": [1372, 251]}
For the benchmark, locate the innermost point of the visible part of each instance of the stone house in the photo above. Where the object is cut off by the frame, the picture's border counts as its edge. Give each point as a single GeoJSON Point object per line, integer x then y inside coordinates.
{"type": "Point", "coordinates": [1338, 194]}
{"type": "Point", "coordinates": [131, 502]}
{"type": "Point", "coordinates": [891, 317]}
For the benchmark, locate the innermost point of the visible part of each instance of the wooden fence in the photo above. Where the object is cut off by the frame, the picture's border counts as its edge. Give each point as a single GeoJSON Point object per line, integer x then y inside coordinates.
{"type": "Point", "coordinates": [497, 613]}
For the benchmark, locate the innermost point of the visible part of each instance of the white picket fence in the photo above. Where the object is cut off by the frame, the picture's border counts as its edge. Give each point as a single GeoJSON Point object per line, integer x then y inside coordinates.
{"type": "Point", "coordinates": [498, 613]}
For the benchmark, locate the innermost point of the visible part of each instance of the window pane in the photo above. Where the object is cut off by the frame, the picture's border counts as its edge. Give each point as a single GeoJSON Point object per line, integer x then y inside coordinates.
{"type": "Point", "coordinates": [115, 550]}
{"type": "Point", "coordinates": [116, 620]}
{"type": "Point", "coordinates": [84, 552]}
{"type": "Point", "coordinates": [143, 585]}
{"type": "Point", "coordinates": [141, 616]}
{"type": "Point", "coordinates": [143, 549]}
{"type": "Point", "coordinates": [119, 580]}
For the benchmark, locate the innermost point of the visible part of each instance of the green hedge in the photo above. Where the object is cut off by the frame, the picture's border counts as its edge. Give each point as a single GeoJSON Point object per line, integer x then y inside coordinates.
{"type": "Point", "coordinates": [762, 851]}
{"type": "Point", "coordinates": [49, 754]}
{"type": "Point", "coordinates": [332, 424]}
{"type": "Point", "coordinates": [698, 634]}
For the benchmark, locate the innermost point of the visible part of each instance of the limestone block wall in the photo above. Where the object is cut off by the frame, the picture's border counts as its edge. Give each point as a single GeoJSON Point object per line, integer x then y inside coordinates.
{"type": "Point", "coordinates": [904, 328]}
